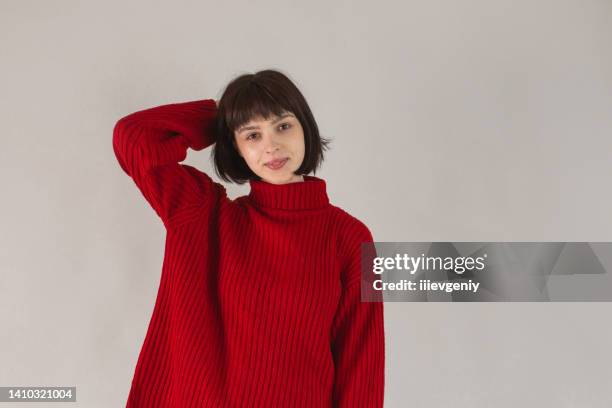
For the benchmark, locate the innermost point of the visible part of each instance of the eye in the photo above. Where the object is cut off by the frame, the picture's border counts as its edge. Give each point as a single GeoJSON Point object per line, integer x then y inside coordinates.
{"type": "Point", "coordinates": [253, 136]}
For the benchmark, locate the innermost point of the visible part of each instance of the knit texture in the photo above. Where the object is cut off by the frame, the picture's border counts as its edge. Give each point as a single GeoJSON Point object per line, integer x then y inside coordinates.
{"type": "Point", "coordinates": [259, 301]}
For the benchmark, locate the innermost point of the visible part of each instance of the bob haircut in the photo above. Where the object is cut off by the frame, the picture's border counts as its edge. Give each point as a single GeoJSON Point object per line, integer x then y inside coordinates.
{"type": "Point", "coordinates": [263, 94]}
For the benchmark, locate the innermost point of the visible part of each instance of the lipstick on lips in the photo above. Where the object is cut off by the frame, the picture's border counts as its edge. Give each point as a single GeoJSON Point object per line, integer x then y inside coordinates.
{"type": "Point", "coordinates": [276, 164]}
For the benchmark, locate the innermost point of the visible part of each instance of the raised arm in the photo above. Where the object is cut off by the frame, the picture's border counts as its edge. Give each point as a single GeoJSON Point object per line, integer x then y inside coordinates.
{"type": "Point", "coordinates": [358, 338]}
{"type": "Point", "coordinates": [150, 143]}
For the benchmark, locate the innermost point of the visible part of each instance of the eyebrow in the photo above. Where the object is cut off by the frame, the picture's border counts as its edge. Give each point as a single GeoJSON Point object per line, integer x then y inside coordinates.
{"type": "Point", "coordinates": [243, 128]}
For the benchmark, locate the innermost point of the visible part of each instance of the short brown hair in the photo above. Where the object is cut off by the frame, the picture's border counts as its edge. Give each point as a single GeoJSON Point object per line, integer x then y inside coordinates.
{"type": "Point", "coordinates": [263, 94]}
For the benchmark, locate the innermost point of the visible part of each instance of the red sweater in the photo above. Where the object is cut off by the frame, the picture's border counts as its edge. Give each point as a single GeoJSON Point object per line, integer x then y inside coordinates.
{"type": "Point", "coordinates": [259, 298]}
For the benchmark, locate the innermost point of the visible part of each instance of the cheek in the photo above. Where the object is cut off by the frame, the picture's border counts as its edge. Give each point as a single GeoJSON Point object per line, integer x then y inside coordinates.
{"type": "Point", "coordinates": [298, 143]}
{"type": "Point", "coordinates": [251, 155]}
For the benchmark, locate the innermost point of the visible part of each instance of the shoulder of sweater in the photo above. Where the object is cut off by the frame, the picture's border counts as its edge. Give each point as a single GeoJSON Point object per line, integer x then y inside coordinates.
{"type": "Point", "coordinates": [351, 233]}
{"type": "Point", "coordinates": [352, 225]}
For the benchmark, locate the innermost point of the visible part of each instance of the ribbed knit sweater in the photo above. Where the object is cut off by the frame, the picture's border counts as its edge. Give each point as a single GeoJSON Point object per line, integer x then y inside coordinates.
{"type": "Point", "coordinates": [259, 301]}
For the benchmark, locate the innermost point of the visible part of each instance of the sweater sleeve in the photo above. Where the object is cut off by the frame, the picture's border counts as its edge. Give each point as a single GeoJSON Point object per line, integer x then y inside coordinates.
{"type": "Point", "coordinates": [150, 143]}
{"type": "Point", "coordinates": [358, 340]}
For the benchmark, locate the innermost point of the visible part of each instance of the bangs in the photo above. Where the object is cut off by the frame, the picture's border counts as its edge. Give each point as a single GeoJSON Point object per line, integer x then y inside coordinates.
{"type": "Point", "coordinates": [255, 101]}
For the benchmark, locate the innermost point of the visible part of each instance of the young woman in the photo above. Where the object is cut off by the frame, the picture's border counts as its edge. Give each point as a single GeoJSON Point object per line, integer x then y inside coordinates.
{"type": "Point", "coordinates": [259, 303]}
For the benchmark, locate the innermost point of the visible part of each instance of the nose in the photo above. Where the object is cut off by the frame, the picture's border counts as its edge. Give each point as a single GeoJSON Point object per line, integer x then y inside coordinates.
{"type": "Point", "coordinates": [272, 145]}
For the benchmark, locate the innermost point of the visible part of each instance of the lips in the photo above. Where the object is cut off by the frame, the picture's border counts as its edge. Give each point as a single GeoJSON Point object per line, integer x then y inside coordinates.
{"type": "Point", "coordinates": [277, 163]}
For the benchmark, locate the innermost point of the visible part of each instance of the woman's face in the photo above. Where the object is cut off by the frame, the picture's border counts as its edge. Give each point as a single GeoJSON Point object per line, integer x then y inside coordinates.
{"type": "Point", "coordinates": [274, 148]}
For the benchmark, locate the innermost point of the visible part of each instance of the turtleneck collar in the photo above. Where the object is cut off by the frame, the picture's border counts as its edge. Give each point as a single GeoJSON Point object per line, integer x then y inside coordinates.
{"type": "Point", "coordinates": [302, 195]}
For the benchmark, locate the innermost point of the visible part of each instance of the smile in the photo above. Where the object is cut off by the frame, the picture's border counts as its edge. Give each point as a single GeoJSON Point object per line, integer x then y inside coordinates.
{"type": "Point", "coordinates": [276, 164]}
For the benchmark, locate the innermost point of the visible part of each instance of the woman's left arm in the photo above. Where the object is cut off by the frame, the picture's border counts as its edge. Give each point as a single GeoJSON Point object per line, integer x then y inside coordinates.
{"type": "Point", "coordinates": [358, 339]}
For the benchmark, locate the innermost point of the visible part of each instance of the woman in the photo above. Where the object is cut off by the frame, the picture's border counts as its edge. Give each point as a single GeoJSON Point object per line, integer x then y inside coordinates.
{"type": "Point", "coordinates": [259, 300]}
